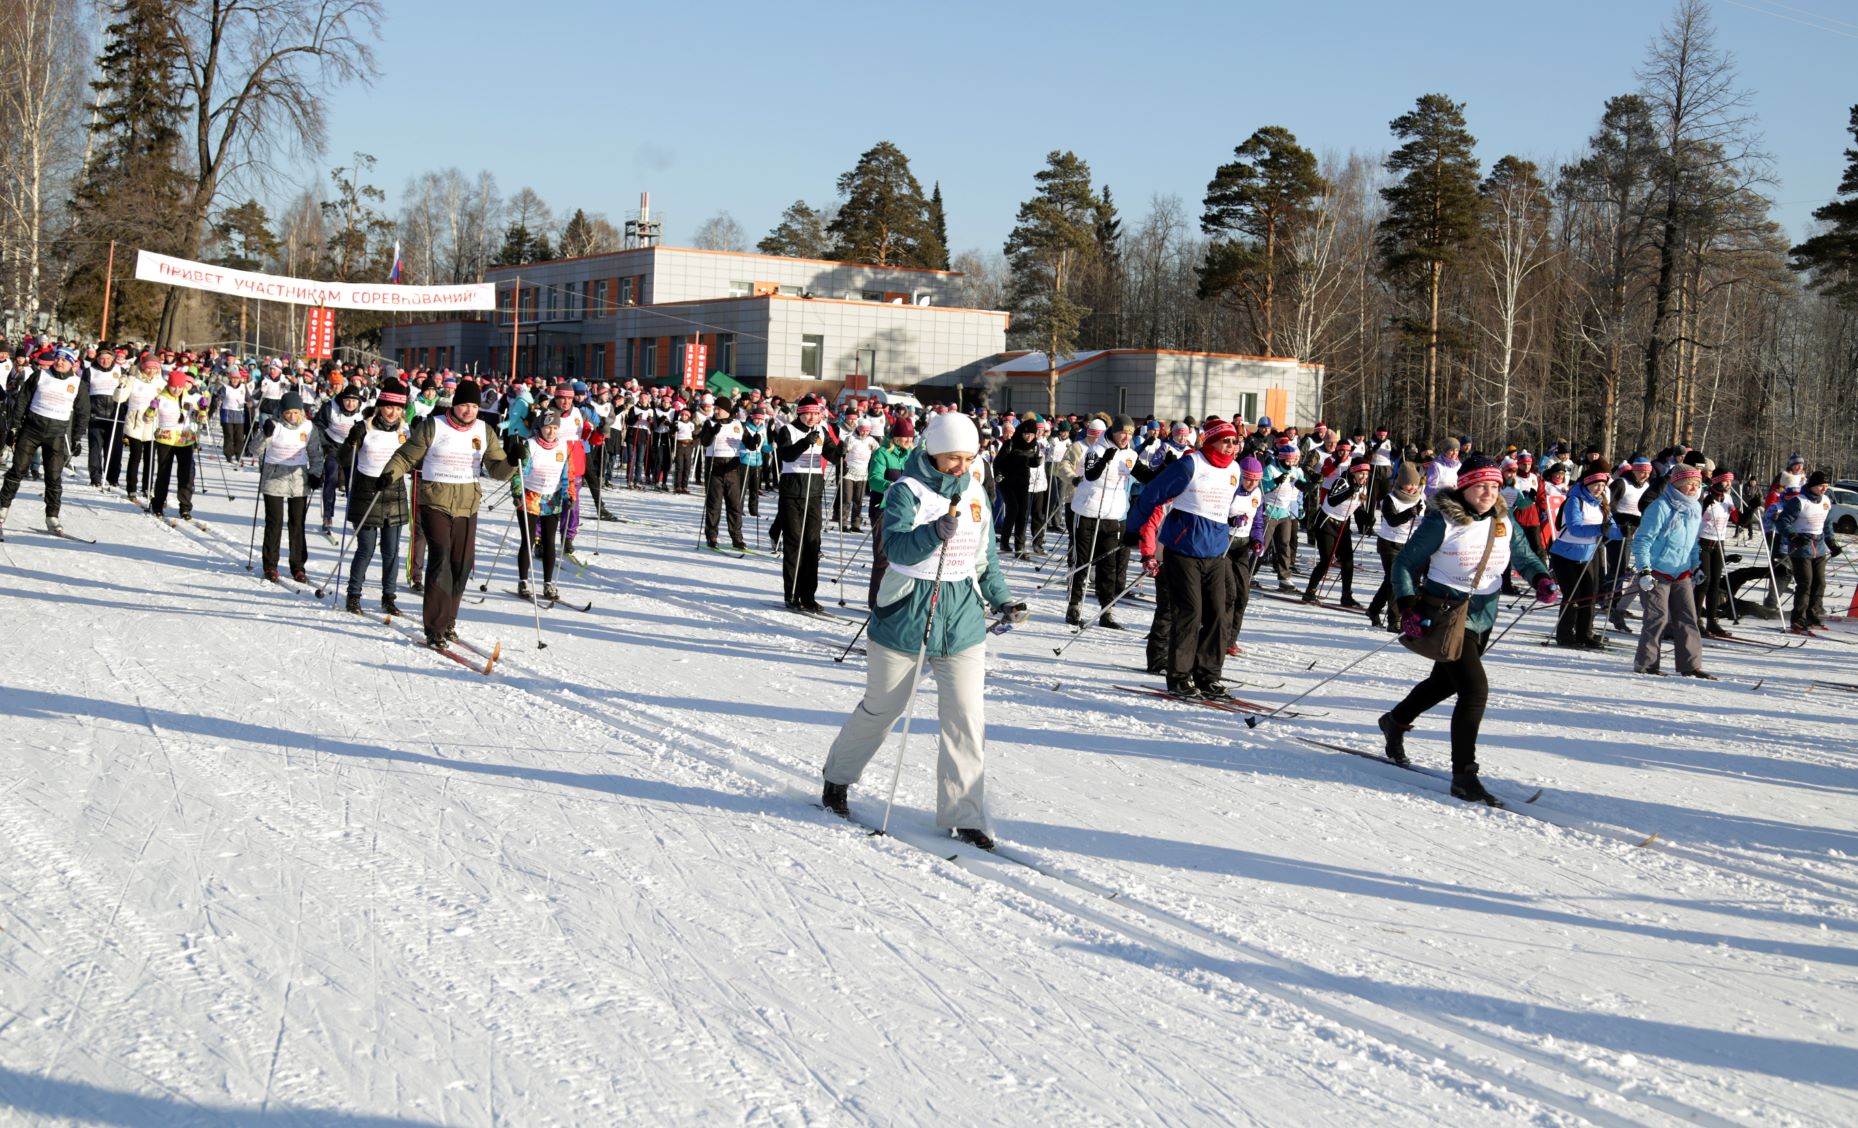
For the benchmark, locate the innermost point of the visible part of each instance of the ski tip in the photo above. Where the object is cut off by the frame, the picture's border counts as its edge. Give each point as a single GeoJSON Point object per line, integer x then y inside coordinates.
{"type": "Point", "coordinates": [496, 652]}
{"type": "Point", "coordinates": [1649, 839]}
{"type": "Point", "coordinates": [1537, 795]}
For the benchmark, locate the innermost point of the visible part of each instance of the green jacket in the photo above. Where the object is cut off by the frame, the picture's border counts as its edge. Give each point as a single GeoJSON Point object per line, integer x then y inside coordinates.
{"type": "Point", "coordinates": [455, 499]}
{"type": "Point", "coordinates": [886, 458]}
{"type": "Point", "coordinates": [903, 601]}
{"type": "Point", "coordinates": [1416, 557]}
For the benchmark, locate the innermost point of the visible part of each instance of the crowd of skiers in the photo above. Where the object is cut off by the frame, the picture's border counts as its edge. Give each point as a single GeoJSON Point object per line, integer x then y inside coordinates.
{"type": "Point", "coordinates": [1205, 506]}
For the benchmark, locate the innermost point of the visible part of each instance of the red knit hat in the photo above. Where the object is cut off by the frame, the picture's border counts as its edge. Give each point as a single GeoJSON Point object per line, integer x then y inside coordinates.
{"type": "Point", "coordinates": [1218, 429]}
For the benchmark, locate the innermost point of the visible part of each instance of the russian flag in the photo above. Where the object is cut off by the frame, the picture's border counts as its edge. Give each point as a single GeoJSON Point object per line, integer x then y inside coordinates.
{"type": "Point", "coordinates": [394, 274]}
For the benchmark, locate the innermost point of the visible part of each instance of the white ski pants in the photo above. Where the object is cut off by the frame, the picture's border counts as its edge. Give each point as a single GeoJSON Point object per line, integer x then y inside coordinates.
{"type": "Point", "coordinates": [960, 680]}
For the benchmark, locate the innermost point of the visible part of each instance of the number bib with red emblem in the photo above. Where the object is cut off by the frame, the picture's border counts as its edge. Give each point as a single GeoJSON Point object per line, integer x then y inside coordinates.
{"type": "Point", "coordinates": [962, 555]}
{"type": "Point", "coordinates": [455, 455]}
{"type": "Point", "coordinates": [289, 446]}
{"type": "Point", "coordinates": [55, 396]}
{"type": "Point", "coordinates": [377, 446]}
{"type": "Point", "coordinates": [1209, 492]}
{"type": "Point", "coordinates": [547, 462]}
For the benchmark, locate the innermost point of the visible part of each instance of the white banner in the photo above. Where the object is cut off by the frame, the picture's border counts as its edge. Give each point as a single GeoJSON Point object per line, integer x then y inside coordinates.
{"type": "Point", "coordinates": [151, 267]}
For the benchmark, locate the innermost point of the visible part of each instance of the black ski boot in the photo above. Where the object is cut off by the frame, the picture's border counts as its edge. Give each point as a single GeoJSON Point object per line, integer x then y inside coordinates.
{"type": "Point", "coordinates": [388, 606]}
{"type": "Point", "coordinates": [1212, 689]}
{"type": "Point", "coordinates": [1395, 732]}
{"type": "Point", "coordinates": [1074, 616]}
{"type": "Point", "coordinates": [1108, 620]}
{"type": "Point", "coordinates": [1183, 688]}
{"type": "Point", "coordinates": [834, 799]}
{"type": "Point", "coordinates": [417, 587]}
{"type": "Point", "coordinates": [353, 604]}
{"type": "Point", "coordinates": [1466, 786]}
{"type": "Point", "coordinates": [975, 837]}
{"type": "Point", "coordinates": [522, 590]}
{"type": "Point", "coordinates": [551, 593]}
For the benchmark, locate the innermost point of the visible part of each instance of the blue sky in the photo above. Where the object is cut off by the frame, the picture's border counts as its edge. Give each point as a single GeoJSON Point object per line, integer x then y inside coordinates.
{"type": "Point", "coordinates": [746, 107]}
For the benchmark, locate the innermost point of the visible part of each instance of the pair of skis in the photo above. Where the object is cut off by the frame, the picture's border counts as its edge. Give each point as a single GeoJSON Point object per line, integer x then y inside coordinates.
{"type": "Point", "coordinates": [550, 604]}
{"type": "Point", "coordinates": [1225, 704]}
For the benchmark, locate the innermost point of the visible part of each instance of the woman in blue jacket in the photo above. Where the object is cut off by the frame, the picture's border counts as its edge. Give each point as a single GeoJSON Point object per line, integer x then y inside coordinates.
{"type": "Point", "coordinates": [1576, 558]}
{"type": "Point", "coordinates": [1665, 551]}
{"type": "Point", "coordinates": [944, 562]}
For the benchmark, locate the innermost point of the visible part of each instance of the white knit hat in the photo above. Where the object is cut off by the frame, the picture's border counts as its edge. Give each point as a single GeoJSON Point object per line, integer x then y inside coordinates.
{"type": "Point", "coordinates": [951, 432]}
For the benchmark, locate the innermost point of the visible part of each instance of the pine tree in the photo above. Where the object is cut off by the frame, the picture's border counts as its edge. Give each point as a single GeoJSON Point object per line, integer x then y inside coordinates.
{"type": "Point", "coordinates": [360, 245]}
{"type": "Point", "coordinates": [245, 238]}
{"type": "Point", "coordinates": [884, 219]}
{"type": "Point", "coordinates": [1255, 205]}
{"type": "Point", "coordinates": [1432, 215]}
{"type": "Point", "coordinates": [1102, 282]}
{"type": "Point", "coordinates": [801, 233]}
{"type": "Point", "coordinates": [1054, 237]}
{"type": "Point", "coordinates": [1830, 258]}
{"type": "Point", "coordinates": [136, 181]}
{"type": "Point", "coordinates": [938, 223]}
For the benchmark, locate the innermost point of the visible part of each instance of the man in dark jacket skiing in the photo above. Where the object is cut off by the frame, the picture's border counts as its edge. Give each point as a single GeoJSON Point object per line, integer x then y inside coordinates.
{"type": "Point", "coordinates": [47, 414]}
{"type": "Point", "coordinates": [803, 447]}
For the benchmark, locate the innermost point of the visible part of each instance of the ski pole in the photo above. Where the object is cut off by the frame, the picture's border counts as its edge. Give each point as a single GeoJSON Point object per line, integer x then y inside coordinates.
{"type": "Point", "coordinates": [851, 561]}
{"type": "Point", "coordinates": [1252, 721]}
{"type": "Point", "coordinates": [855, 637]}
{"type": "Point", "coordinates": [1080, 631]}
{"type": "Point", "coordinates": [1774, 586]}
{"type": "Point", "coordinates": [258, 496]}
{"type": "Point", "coordinates": [342, 549]}
{"type": "Point", "coordinates": [223, 480]}
{"type": "Point", "coordinates": [522, 515]}
{"type": "Point", "coordinates": [703, 516]}
{"type": "Point", "coordinates": [1533, 606]}
{"type": "Point", "coordinates": [498, 555]}
{"type": "Point", "coordinates": [1056, 576]}
{"type": "Point", "coordinates": [922, 652]}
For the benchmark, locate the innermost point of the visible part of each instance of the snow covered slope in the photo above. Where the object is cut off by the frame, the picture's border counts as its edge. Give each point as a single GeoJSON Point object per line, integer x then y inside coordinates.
{"type": "Point", "coordinates": [263, 861]}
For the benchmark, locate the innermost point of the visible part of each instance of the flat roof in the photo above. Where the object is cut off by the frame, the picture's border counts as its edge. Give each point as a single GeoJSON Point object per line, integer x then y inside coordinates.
{"type": "Point", "coordinates": [725, 301]}
{"type": "Point", "coordinates": [519, 267]}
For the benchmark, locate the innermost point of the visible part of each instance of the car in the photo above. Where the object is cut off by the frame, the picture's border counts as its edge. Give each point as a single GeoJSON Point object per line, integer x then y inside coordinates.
{"type": "Point", "coordinates": [1844, 515]}
{"type": "Point", "coordinates": [884, 396]}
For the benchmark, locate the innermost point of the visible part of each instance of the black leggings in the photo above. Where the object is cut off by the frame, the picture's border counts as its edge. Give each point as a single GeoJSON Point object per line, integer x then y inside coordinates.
{"type": "Point", "coordinates": [1388, 551]}
{"type": "Point", "coordinates": [1465, 679]}
{"type": "Point", "coordinates": [543, 529]}
{"type": "Point", "coordinates": [1580, 588]}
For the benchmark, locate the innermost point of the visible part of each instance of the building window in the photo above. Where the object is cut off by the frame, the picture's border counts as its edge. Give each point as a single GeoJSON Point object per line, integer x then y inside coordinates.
{"type": "Point", "coordinates": [1122, 401]}
{"type": "Point", "coordinates": [622, 360]}
{"type": "Point", "coordinates": [597, 365]}
{"type": "Point", "coordinates": [871, 295]}
{"type": "Point", "coordinates": [788, 291]}
{"type": "Point", "coordinates": [741, 289]}
{"type": "Point", "coordinates": [1248, 405]}
{"type": "Point", "coordinates": [725, 353]}
{"type": "Point", "coordinates": [811, 347]}
{"type": "Point", "coordinates": [648, 360]}
{"type": "Point", "coordinates": [628, 293]}
{"type": "Point", "coordinates": [600, 296]}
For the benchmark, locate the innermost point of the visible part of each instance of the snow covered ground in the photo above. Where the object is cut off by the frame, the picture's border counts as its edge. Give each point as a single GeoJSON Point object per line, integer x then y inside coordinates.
{"type": "Point", "coordinates": [264, 862]}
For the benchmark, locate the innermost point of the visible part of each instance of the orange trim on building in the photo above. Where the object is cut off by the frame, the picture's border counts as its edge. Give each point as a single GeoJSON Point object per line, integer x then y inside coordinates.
{"type": "Point", "coordinates": [703, 251]}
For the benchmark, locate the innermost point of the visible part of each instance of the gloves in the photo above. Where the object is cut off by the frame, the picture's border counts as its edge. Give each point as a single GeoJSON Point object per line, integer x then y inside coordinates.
{"type": "Point", "coordinates": [1151, 566]}
{"type": "Point", "coordinates": [1412, 625]}
{"type": "Point", "coordinates": [1257, 549]}
{"type": "Point", "coordinates": [1014, 613]}
{"type": "Point", "coordinates": [270, 427]}
{"type": "Point", "coordinates": [947, 525]}
{"type": "Point", "coordinates": [316, 481]}
{"type": "Point", "coordinates": [1132, 538]}
{"type": "Point", "coordinates": [1799, 542]}
{"type": "Point", "coordinates": [77, 449]}
{"type": "Point", "coordinates": [1545, 592]}
{"type": "Point", "coordinates": [1836, 549]}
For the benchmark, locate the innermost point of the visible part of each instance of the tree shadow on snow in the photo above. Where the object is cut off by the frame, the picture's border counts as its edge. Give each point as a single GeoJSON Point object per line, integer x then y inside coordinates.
{"type": "Point", "coordinates": [42, 1098]}
{"type": "Point", "coordinates": [35, 705]}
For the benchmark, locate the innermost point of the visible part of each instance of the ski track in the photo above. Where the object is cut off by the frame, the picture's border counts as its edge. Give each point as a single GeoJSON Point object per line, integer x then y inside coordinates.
{"type": "Point", "coordinates": [643, 949]}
